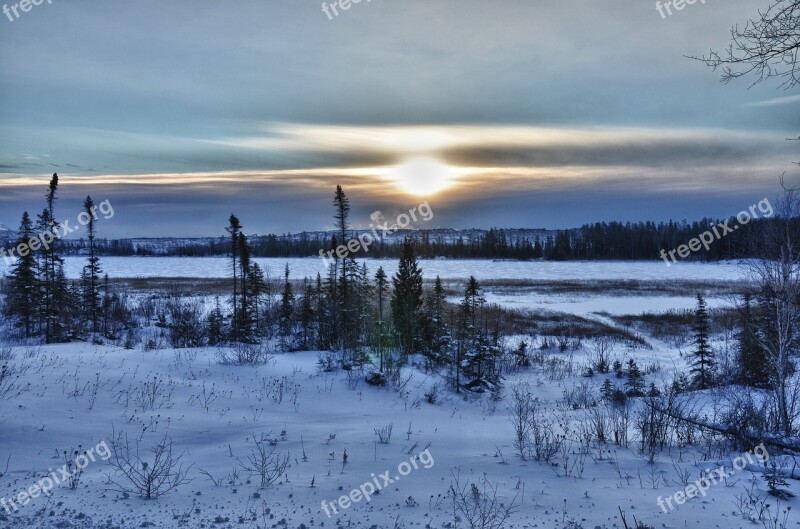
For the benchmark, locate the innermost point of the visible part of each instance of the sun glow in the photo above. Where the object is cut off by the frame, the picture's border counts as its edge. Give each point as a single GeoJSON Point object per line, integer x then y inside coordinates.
{"type": "Point", "coordinates": [422, 176]}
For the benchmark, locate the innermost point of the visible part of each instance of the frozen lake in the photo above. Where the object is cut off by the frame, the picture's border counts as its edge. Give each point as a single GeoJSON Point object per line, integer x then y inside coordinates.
{"type": "Point", "coordinates": [219, 267]}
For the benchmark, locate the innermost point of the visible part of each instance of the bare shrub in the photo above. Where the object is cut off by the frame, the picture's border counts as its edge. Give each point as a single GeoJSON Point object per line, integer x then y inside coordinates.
{"type": "Point", "coordinates": [6, 353]}
{"type": "Point", "coordinates": [205, 397]}
{"type": "Point", "coordinates": [243, 354]}
{"type": "Point", "coordinates": [599, 354]}
{"type": "Point", "coordinates": [186, 325]}
{"type": "Point", "coordinates": [384, 434]}
{"type": "Point", "coordinates": [579, 396]}
{"type": "Point", "coordinates": [264, 461]}
{"type": "Point", "coordinates": [10, 384]}
{"type": "Point", "coordinates": [620, 417]}
{"type": "Point", "coordinates": [478, 507]}
{"type": "Point", "coordinates": [146, 478]}
{"type": "Point", "coordinates": [534, 435]}
{"type": "Point", "coordinates": [154, 394]}
{"type": "Point", "coordinates": [598, 424]}
{"type": "Point", "coordinates": [277, 389]}
{"type": "Point", "coordinates": [432, 394]}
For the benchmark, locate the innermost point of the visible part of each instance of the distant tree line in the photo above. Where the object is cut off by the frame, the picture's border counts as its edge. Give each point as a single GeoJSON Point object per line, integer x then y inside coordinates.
{"type": "Point", "coordinates": [598, 241]}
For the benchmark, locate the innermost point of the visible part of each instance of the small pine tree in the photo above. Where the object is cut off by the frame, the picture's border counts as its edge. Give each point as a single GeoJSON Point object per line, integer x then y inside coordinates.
{"type": "Point", "coordinates": [635, 383]}
{"type": "Point", "coordinates": [521, 355]}
{"type": "Point", "coordinates": [475, 352]}
{"type": "Point", "coordinates": [617, 367]}
{"type": "Point", "coordinates": [216, 321]}
{"type": "Point", "coordinates": [607, 390]}
{"type": "Point", "coordinates": [703, 355]}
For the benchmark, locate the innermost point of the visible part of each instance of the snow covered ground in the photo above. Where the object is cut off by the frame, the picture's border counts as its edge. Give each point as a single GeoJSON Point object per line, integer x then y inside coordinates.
{"type": "Point", "coordinates": [80, 393]}
{"type": "Point", "coordinates": [83, 395]}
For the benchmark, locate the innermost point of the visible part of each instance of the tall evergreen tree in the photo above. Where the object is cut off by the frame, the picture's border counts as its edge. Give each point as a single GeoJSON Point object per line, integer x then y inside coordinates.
{"type": "Point", "coordinates": [382, 338]}
{"type": "Point", "coordinates": [306, 316]}
{"type": "Point", "coordinates": [256, 289]}
{"type": "Point", "coordinates": [382, 289]}
{"type": "Point", "coordinates": [323, 316]}
{"type": "Point", "coordinates": [751, 357]}
{"type": "Point", "coordinates": [54, 288]}
{"type": "Point", "coordinates": [345, 309]}
{"type": "Point", "coordinates": [435, 334]}
{"type": "Point", "coordinates": [247, 319]}
{"type": "Point", "coordinates": [407, 297]}
{"type": "Point", "coordinates": [92, 270]}
{"type": "Point", "coordinates": [234, 228]}
{"type": "Point", "coordinates": [22, 299]}
{"type": "Point", "coordinates": [703, 355]}
{"type": "Point", "coordinates": [287, 305]}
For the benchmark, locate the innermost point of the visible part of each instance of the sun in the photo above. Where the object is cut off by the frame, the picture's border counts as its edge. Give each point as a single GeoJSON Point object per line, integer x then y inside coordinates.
{"type": "Point", "coordinates": [422, 176]}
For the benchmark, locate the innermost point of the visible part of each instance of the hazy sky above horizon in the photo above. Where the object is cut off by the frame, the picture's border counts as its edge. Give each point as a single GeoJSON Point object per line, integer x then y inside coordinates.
{"type": "Point", "coordinates": [497, 113]}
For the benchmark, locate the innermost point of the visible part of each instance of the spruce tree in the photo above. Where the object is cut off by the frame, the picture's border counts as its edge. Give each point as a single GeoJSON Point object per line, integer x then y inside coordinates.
{"type": "Point", "coordinates": [306, 315]}
{"type": "Point", "coordinates": [246, 319]}
{"type": "Point", "coordinates": [435, 335]}
{"type": "Point", "coordinates": [703, 362]}
{"type": "Point", "coordinates": [752, 360]}
{"type": "Point", "coordinates": [407, 297]}
{"type": "Point", "coordinates": [363, 304]}
{"type": "Point", "coordinates": [287, 306]}
{"type": "Point", "coordinates": [345, 313]}
{"type": "Point", "coordinates": [475, 351]}
{"type": "Point", "coordinates": [322, 315]}
{"type": "Point", "coordinates": [635, 382]}
{"type": "Point", "coordinates": [256, 289]}
{"type": "Point", "coordinates": [54, 289]}
{"type": "Point", "coordinates": [382, 290]}
{"type": "Point", "coordinates": [215, 322]}
{"type": "Point", "coordinates": [607, 390]}
{"type": "Point", "coordinates": [91, 291]}
{"type": "Point", "coordinates": [234, 227]}
{"type": "Point", "coordinates": [22, 299]}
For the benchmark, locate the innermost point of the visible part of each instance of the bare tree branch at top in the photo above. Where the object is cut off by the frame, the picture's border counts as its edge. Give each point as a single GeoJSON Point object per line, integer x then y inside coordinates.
{"type": "Point", "coordinates": [767, 47]}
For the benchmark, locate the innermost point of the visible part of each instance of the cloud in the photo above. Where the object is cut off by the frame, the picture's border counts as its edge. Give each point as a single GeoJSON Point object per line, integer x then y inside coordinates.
{"type": "Point", "coordinates": [776, 101]}
{"type": "Point", "coordinates": [511, 145]}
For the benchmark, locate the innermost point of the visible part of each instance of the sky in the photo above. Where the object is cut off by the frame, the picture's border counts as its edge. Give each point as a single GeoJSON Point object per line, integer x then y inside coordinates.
{"type": "Point", "coordinates": [507, 113]}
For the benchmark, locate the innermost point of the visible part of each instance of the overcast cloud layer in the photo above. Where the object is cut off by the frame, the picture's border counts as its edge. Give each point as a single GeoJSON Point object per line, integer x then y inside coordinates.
{"type": "Point", "coordinates": [554, 112]}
